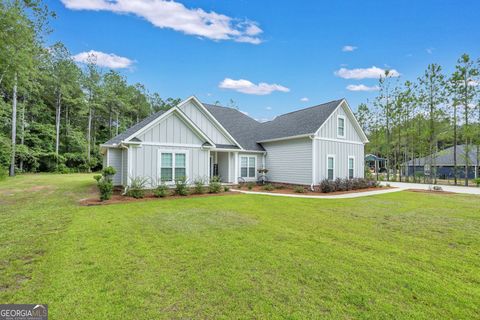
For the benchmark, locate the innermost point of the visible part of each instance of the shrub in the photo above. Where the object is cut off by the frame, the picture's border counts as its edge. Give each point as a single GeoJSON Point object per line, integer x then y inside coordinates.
{"type": "Point", "coordinates": [299, 189]}
{"type": "Point", "coordinates": [198, 187]}
{"type": "Point", "coordinates": [3, 173]}
{"type": "Point", "coordinates": [268, 187]}
{"type": "Point", "coordinates": [476, 181]}
{"type": "Point", "coordinates": [250, 185]}
{"type": "Point", "coordinates": [137, 187]}
{"type": "Point", "coordinates": [181, 188]}
{"type": "Point", "coordinates": [226, 189]}
{"type": "Point", "coordinates": [215, 186]}
{"type": "Point", "coordinates": [161, 191]}
{"type": "Point", "coordinates": [104, 183]}
{"type": "Point", "coordinates": [327, 186]}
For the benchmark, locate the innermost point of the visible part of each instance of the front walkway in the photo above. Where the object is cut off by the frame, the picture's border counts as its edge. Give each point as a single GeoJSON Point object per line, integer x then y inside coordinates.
{"type": "Point", "coordinates": [421, 186]}
{"type": "Point", "coordinates": [320, 196]}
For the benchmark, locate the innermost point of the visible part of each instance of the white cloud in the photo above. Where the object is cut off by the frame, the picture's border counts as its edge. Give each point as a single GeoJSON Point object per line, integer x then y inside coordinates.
{"type": "Point", "coordinates": [349, 48]}
{"type": "Point", "coordinates": [305, 99]}
{"type": "Point", "coordinates": [248, 87]}
{"type": "Point", "coordinates": [362, 87]}
{"type": "Point", "coordinates": [102, 59]}
{"type": "Point", "coordinates": [268, 108]}
{"type": "Point", "coordinates": [365, 73]}
{"type": "Point", "coordinates": [174, 15]}
{"type": "Point", "coordinates": [429, 50]}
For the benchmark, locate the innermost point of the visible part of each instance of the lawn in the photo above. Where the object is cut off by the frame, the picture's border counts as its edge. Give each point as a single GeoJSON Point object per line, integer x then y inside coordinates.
{"type": "Point", "coordinates": [401, 255]}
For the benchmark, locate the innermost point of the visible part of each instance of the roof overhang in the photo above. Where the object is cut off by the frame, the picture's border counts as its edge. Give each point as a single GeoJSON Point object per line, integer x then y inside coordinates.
{"type": "Point", "coordinates": [306, 135]}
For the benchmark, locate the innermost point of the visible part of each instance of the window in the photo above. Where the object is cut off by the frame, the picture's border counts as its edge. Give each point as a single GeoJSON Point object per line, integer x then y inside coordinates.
{"type": "Point", "coordinates": [341, 126]}
{"type": "Point", "coordinates": [330, 167]}
{"type": "Point", "coordinates": [351, 166]}
{"type": "Point", "coordinates": [173, 166]}
{"type": "Point", "coordinates": [248, 166]}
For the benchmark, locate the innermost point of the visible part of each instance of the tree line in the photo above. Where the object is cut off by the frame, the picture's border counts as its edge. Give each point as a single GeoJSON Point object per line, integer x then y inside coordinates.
{"type": "Point", "coordinates": [54, 113]}
{"type": "Point", "coordinates": [413, 119]}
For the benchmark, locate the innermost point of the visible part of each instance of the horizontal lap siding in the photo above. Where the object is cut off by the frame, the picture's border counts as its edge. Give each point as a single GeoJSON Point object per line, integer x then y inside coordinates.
{"type": "Point", "coordinates": [341, 151]}
{"type": "Point", "coordinates": [145, 162]}
{"type": "Point", "coordinates": [289, 161]}
{"type": "Point", "coordinates": [115, 160]}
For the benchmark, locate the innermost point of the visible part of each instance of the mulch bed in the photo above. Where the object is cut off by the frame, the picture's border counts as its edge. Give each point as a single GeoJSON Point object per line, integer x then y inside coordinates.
{"type": "Point", "coordinates": [289, 190]}
{"type": "Point", "coordinates": [119, 198]}
{"type": "Point", "coordinates": [431, 191]}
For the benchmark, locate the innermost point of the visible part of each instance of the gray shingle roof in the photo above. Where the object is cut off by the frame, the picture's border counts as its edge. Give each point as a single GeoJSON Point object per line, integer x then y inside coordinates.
{"type": "Point", "coordinates": [247, 131]}
{"type": "Point", "coordinates": [445, 157]}
{"type": "Point", "coordinates": [303, 121]}
{"type": "Point", "coordinates": [127, 133]}
{"type": "Point", "coordinates": [240, 126]}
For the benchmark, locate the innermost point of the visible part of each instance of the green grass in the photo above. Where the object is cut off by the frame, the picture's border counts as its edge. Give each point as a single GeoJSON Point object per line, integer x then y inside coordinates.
{"type": "Point", "coordinates": [401, 255]}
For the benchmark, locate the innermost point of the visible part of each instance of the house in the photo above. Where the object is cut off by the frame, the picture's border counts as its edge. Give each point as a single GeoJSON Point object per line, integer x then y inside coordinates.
{"type": "Point", "coordinates": [375, 163]}
{"type": "Point", "coordinates": [444, 164]}
{"type": "Point", "coordinates": [198, 141]}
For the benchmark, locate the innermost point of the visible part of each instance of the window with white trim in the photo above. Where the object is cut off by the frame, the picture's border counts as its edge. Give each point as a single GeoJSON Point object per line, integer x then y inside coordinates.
{"type": "Point", "coordinates": [351, 167]}
{"type": "Point", "coordinates": [341, 126]}
{"type": "Point", "coordinates": [330, 167]}
{"type": "Point", "coordinates": [248, 166]}
{"type": "Point", "coordinates": [173, 166]}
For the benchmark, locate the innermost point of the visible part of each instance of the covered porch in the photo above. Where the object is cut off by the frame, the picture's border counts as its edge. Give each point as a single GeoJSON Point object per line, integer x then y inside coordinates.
{"type": "Point", "coordinates": [231, 164]}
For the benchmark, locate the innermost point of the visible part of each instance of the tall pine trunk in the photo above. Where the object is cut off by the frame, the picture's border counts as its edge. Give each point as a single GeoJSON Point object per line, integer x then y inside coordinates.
{"type": "Point", "coordinates": [14, 127]}
{"type": "Point", "coordinates": [22, 133]}
{"type": "Point", "coordinates": [57, 122]}
{"type": "Point", "coordinates": [89, 131]}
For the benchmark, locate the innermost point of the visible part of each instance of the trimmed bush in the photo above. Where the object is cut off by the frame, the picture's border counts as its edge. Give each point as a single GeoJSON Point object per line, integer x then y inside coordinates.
{"type": "Point", "coordinates": [226, 189]}
{"type": "Point", "coordinates": [137, 187]}
{"type": "Point", "coordinates": [161, 191]}
{"type": "Point", "coordinates": [181, 188]}
{"type": "Point", "coordinates": [104, 183]}
{"type": "Point", "coordinates": [346, 184]}
{"type": "Point", "coordinates": [198, 187]}
{"type": "Point", "coordinates": [327, 186]}
{"type": "Point", "coordinates": [268, 187]}
{"type": "Point", "coordinates": [215, 186]}
{"type": "Point", "coordinates": [250, 185]}
{"type": "Point", "coordinates": [299, 189]}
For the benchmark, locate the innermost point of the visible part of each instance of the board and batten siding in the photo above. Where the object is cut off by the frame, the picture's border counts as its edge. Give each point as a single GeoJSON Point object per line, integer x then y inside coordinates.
{"type": "Point", "coordinates": [171, 129]}
{"type": "Point", "coordinates": [146, 162]}
{"type": "Point", "coordinates": [329, 128]}
{"type": "Point", "coordinates": [114, 158]}
{"type": "Point", "coordinates": [199, 117]}
{"type": "Point", "coordinates": [289, 161]}
{"type": "Point", "coordinates": [341, 152]}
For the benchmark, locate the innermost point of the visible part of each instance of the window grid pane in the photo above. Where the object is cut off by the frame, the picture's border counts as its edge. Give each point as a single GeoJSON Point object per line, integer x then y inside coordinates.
{"type": "Point", "coordinates": [180, 160]}
{"type": "Point", "coordinates": [180, 173]}
{"type": "Point", "coordinates": [243, 172]}
{"type": "Point", "coordinates": [166, 174]}
{"type": "Point", "coordinates": [166, 160]}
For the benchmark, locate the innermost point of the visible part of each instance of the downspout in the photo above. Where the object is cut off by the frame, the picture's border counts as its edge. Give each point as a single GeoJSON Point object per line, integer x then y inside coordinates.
{"type": "Point", "coordinates": [312, 186]}
{"type": "Point", "coordinates": [122, 146]}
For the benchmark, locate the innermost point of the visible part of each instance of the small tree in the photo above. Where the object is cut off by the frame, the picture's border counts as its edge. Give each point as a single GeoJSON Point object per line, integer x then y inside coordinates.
{"type": "Point", "coordinates": [104, 183]}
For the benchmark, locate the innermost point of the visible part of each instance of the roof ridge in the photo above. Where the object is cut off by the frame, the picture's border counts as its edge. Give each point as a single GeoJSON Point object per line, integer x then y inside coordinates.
{"type": "Point", "coordinates": [315, 106]}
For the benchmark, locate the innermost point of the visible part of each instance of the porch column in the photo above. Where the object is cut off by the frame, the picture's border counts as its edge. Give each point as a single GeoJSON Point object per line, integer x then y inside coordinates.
{"type": "Point", "coordinates": [235, 166]}
{"type": "Point", "coordinates": [229, 169]}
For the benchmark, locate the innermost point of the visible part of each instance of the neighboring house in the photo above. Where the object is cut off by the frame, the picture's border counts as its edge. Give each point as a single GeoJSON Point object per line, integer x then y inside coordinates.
{"type": "Point", "coordinates": [444, 164]}
{"type": "Point", "coordinates": [198, 141]}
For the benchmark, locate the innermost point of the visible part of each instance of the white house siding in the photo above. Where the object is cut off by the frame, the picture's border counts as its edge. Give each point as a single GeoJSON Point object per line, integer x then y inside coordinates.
{"type": "Point", "coordinates": [115, 160]}
{"type": "Point", "coordinates": [172, 129]}
{"type": "Point", "coordinates": [124, 166]}
{"type": "Point", "coordinates": [146, 162]}
{"type": "Point", "coordinates": [205, 124]}
{"type": "Point", "coordinates": [223, 165]}
{"type": "Point", "coordinates": [341, 151]}
{"type": "Point", "coordinates": [329, 128]}
{"type": "Point", "coordinates": [289, 161]}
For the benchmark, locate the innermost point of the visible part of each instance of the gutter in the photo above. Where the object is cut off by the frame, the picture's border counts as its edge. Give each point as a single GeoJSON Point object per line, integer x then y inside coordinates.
{"type": "Point", "coordinates": [312, 137]}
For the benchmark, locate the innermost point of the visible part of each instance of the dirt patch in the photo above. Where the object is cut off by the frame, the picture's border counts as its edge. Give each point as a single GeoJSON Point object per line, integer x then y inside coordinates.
{"type": "Point", "coordinates": [39, 188]}
{"type": "Point", "coordinates": [118, 198]}
{"type": "Point", "coordinates": [431, 191]}
{"type": "Point", "coordinates": [307, 191]}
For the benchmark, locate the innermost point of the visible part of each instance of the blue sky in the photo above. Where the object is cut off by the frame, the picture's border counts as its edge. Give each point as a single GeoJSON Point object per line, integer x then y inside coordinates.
{"type": "Point", "coordinates": [297, 49]}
